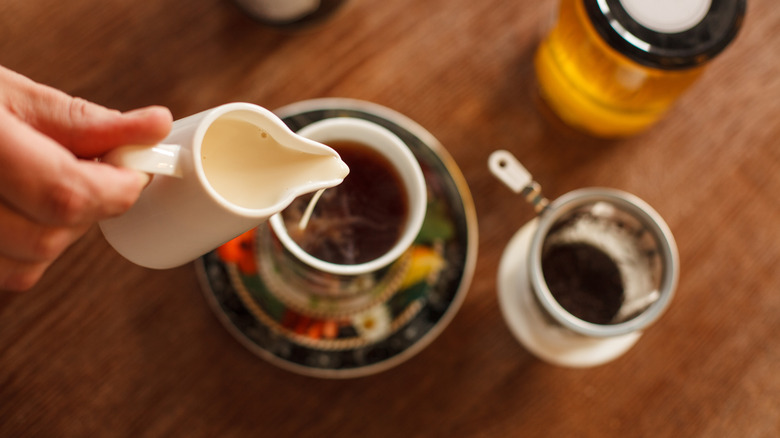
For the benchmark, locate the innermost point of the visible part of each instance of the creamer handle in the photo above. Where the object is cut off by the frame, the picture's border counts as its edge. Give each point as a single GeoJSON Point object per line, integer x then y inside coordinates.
{"type": "Point", "coordinates": [159, 159]}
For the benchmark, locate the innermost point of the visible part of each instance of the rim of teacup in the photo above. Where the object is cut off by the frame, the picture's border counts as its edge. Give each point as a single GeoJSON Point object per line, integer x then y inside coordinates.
{"type": "Point", "coordinates": [642, 212]}
{"type": "Point", "coordinates": [393, 148]}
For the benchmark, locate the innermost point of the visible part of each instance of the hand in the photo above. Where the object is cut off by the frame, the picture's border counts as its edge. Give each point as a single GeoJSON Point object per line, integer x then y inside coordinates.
{"type": "Point", "coordinates": [51, 189]}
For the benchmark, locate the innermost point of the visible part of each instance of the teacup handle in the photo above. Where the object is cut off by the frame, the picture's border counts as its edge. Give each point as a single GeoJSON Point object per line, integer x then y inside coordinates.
{"type": "Point", "coordinates": [504, 166]}
{"type": "Point", "coordinates": [159, 159]}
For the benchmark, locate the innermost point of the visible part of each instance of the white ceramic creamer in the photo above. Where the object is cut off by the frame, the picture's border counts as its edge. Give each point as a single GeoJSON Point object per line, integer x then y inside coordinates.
{"type": "Point", "coordinates": [218, 174]}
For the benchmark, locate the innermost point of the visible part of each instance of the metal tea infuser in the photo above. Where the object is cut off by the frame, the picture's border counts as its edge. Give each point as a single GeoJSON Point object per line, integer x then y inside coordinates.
{"type": "Point", "coordinates": [618, 273]}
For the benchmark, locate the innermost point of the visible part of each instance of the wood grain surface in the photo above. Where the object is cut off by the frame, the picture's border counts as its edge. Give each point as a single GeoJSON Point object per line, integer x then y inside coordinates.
{"type": "Point", "coordinates": [104, 348]}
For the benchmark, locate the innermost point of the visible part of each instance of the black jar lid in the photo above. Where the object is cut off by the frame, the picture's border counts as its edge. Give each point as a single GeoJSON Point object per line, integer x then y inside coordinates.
{"type": "Point", "coordinates": [667, 34]}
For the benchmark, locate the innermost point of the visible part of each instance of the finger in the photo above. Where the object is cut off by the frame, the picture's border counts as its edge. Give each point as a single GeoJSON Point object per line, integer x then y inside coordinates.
{"type": "Point", "coordinates": [27, 241]}
{"type": "Point", "coordinates": [49, 185]}
{"type": "Point", "coordinates": [87, 129]}
{"type": "Point", "coordinates": [88, 135]}
{"type": "Point", "coordinates": [90, 130]}
{"type": "Point", "coordinates": [20, 276]}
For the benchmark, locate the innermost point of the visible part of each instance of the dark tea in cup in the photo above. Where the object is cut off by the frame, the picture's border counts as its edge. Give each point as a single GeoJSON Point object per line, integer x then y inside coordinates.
{"type": "Point", "coordinates": [359, 220]}
{"type": "Point", "coordinates": [370, 221]}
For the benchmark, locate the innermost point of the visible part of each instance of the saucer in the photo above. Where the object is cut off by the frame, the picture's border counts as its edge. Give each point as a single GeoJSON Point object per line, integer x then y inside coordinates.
{"type": "Point", "coordinates": [400, 319]}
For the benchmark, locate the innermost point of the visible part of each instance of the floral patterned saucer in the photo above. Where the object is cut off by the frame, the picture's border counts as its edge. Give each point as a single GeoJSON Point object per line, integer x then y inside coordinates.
{"type": "Point", "coordinates": [397, 319]}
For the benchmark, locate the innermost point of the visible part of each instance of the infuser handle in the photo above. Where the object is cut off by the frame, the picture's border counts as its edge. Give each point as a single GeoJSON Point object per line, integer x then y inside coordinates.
{"type": "Point", "coordinates": [504, 166]}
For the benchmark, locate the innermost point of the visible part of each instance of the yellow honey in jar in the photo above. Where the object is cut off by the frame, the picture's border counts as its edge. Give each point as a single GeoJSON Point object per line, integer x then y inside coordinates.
{"type": "Point", "coordinates": [612, 68]}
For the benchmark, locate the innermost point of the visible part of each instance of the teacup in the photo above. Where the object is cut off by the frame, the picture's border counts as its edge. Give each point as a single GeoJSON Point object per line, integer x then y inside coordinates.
{"type": "Point", "coordinates": [218, 174]}
{"type": "Point", "coordinates": [579, 284]}
{"type": "Point", "coordinates": [338, 254]}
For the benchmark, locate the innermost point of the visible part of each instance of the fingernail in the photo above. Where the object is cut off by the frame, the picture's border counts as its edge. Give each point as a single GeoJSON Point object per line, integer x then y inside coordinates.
{"type": "Point", "coordinates": [144, 178]}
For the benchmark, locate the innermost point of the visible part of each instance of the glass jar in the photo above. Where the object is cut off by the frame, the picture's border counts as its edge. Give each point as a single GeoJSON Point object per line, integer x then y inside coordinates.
{"type": "Point", "coordinates": [612, 68]}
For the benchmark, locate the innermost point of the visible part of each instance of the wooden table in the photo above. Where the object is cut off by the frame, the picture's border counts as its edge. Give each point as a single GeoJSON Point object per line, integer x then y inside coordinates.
{"type": "Point", "coordinates": [102, 347]}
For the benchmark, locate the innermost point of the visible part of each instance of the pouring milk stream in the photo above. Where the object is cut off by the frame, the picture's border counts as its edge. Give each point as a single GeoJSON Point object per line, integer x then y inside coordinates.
{"type": "Point", "coordinates": [218, 174]}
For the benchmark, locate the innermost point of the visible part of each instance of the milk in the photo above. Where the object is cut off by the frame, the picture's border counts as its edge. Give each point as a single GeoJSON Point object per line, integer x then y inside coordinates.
{"type": "Point", "coordinates": [249, 168]}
